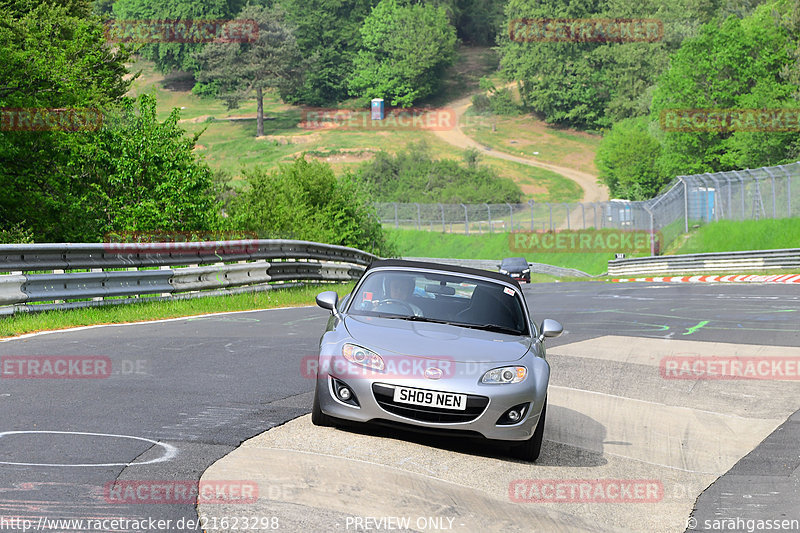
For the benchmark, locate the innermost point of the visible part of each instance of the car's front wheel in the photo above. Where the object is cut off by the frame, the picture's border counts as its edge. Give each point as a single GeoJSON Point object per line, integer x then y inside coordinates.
{"type": "Point", "coordinates": [318, 418]}
{"type": "Point", "coordinates": [530, 449]}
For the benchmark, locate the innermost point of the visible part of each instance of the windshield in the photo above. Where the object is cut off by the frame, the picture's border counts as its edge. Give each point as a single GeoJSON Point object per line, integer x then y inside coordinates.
{"type": "Point", "coordinates": [515, 262]}
{"type": "Point", "coordinates": [441, 298]}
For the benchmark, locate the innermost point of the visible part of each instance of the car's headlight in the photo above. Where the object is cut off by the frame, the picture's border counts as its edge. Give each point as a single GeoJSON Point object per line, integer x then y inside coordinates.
{"type": "Point", "coordinates": [507, 374]}
{"type": "Point", "coordinates": [526, 271]}
{"type": "Point", "coordinates": [503, 271]}
{"type": "Point", "coordinates": [362, 356]}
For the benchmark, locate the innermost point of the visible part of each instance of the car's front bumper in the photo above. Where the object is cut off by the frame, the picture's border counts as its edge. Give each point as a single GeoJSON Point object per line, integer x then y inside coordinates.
{"type": "Point", "coordinates": [499, 398]}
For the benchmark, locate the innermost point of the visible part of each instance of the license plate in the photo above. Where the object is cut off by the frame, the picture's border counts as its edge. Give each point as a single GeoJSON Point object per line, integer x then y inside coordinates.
{"type": "Point", "coordinates": [429, 398]}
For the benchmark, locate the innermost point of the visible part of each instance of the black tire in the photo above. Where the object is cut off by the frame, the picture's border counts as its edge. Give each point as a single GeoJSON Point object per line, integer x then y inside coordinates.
{"type": "Point", "coordinates": [530, 449]}
{"type": "Point", "coordinates": [318, 418]}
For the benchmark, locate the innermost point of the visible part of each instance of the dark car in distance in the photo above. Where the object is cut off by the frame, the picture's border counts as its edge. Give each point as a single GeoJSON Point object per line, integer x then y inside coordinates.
{"type": "Point", "coordinates": [517, 268]}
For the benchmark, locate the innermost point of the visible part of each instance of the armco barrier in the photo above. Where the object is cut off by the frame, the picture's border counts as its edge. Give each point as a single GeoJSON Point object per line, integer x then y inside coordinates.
{"type": "Point", "coordinates": [38, 270]}
{"type": "Point", "coordinates": [708, 262]}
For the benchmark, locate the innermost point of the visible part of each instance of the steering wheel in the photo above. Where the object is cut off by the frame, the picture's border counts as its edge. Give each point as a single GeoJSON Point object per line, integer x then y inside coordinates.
{"type": "Point", "coordinates": [410, 308]}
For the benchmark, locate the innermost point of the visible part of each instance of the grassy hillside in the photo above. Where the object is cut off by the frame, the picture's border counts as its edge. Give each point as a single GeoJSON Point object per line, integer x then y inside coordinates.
{"type": "Point", "coordinates": [732, 236]}
{"type": "Point", "coordinates": [228, 141]}
{"type": "Point", "coordinates": [413, 243]}
{"type": "Point", "coordinates": [527, 137]}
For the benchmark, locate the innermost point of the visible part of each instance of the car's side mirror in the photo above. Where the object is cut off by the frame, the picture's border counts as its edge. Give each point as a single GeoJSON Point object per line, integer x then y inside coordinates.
{"type": "Point", "coordinates": [550, 328]}
{"type": "Point", "coordinates": [328, 300]}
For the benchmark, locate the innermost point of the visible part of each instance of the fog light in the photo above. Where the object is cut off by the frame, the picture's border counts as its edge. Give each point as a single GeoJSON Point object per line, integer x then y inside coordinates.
{"type": "Point", "coordinates": [513, 415]}
{"type": "Point", "coordinates": [344, 394]}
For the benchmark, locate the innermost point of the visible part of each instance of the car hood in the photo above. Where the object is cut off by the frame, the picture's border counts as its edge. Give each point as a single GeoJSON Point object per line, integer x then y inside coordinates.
{"type": "Point", "coordinates": [425, 339]}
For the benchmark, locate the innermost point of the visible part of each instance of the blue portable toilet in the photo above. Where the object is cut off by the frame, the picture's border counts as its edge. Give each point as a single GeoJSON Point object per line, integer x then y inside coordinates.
{"type": "Point", "coordinates": [377, 109]}
{"type": "Point", "coordinates": [702, 203]}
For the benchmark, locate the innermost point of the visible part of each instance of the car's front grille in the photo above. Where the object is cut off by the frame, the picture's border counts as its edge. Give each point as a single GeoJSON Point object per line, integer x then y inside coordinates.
{"type": "Point", "coordinates": [384, 395]}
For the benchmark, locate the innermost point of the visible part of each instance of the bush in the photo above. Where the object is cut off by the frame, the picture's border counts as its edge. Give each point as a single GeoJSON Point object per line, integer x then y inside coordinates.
{"type": "Point", "coordinates": [413, 176]}
{"type": "Point", "coordinates": [304, 200]}
{"type": "Point", "coordinates": [481, 103]}
{"type": "Point", "coordinates": [627, 160]}
{"type": "Point", "coordinates": [502, 104]}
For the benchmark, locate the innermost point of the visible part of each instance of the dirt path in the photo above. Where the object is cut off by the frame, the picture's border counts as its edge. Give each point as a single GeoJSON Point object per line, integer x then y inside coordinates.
{"type": "Point", "coordinates": [592, 191]}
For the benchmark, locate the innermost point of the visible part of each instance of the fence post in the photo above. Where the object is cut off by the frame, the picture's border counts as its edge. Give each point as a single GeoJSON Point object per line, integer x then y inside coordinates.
{"type": "Point", "coordinates": [530, 203]}
{"type": "Point", "coordinates": [652, 230]}
{"type": "Point", "coordinates": [566, 206]}
{"type": "Point", "coordinates": [396, 222]}
{"type": "Point", "coordinates": [788, 192]}
{"type": "Point", "coordinates": [550, 207]}
{"type": "Point", "coordinates": [772, 178]}
{"type": "Point", "coordinates": [685, 204]}
{"type": "Point", "coordinates": [583, 215]}
{"type": "Point", "coordinates": [444, 229]}
{"type": "Point", "coordinates": [511, 215]}
{"type": "Point", "coordinates": [741, 189]}
{"type": "Point", "coordinates": [730, 195]}
{"type": "Point", "coordinates": [759, 206]}
{"type": "Point", "coordinates": [466, 220]}
{"type": "Point", "coordinates": [489, 210]}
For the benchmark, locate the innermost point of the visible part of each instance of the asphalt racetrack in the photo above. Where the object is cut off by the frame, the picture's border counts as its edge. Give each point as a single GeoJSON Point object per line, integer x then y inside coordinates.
{"type": "Point", "coordinates": [181, 396]}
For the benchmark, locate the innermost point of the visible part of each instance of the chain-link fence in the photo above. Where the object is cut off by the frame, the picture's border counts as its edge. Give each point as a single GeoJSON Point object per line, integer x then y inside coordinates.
{"type": "Point", "coordinates": [767, 192]}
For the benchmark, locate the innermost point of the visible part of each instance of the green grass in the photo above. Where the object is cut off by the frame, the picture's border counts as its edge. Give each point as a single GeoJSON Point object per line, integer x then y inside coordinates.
{"type": "Point", "coordinates": [528, 137]}
{"type": "Point", "coordinates": [496, 246]}
{"type": "Point", "coordinates": [138, 312]}
{"type": "Point", "coordinates": [732, 236]}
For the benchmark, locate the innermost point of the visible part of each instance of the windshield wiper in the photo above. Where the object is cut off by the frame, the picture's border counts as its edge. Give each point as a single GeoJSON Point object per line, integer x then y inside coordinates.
{"type": "Point", "coordinates": [489, 327]}
{"type": "Point", "coordinates": [501, 329]}
{"type": "Point", "coordinates": [415, 318]}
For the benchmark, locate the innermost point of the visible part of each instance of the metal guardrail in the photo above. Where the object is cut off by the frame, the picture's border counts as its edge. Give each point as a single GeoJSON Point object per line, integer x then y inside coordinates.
{"type": "Point", "coordinates": [37, 271]}
{"type": "Point", "coordinates": [707, 262]}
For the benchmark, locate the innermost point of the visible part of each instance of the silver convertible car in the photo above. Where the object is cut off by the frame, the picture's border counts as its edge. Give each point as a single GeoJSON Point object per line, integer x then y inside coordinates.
{"type": "Point", "coordinates": [436, 348]}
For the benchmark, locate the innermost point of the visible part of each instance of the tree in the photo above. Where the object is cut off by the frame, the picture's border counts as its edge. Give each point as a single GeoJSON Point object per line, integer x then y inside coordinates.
{"type": "Point", "coordinates": [272, 61]}
{"type": "Point", "coordinates": [328, 33]}
{"type": "Point", "coordinates": [735, 64]}
{"type": "Point", "coordinates": [171, 52]}
{"type": "Point", "coordinates": [406, 47]}
{"type": "Point", "coordinates": [142, 175]}
{"type": "Point", "coordinates": [51, 56]}
{"type": "Point", "coordinates": [627, 160]}
{"type": "Point", "coordinates": [592, 84]}
{"type": "Point", "coordinates": [476, 21]}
